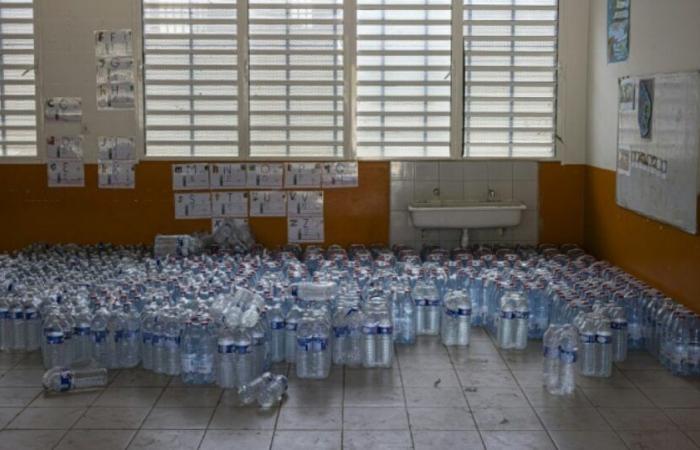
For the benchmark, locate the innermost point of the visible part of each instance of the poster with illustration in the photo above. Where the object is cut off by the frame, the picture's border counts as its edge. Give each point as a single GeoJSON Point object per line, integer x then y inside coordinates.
{"type": "Point", "coordinates": [618, 30]}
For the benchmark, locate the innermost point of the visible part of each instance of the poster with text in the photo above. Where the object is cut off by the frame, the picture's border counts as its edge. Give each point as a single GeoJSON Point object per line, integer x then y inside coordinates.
{"type": "Point", "coordinates": [192, 205]}
{"type": "Point", "coordinates": [305, 230]}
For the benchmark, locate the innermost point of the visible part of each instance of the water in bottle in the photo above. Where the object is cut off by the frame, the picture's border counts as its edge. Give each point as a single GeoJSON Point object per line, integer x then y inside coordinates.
{"type": "Point", "coordinates": [169, 344]}
{"type": "Point", "coordinates": [603, 336]}
{"type": "Point", "coordinates": [550, 343]}
{"type": "Point", "coordinates": [290, 339]}
{"type": "Point", "coordinates": [506, 323]}
{"type": "Point", "coordinates": [54, 344]}
{"type": "Point", "coordinates": [568, 355]}
{"type": "Point", "coordinates": [226, 359]}
{"type": "Point", "coordinates": [101, 348]}
{"type": "Point", "coordinates": [313, 347]}
{"type": "Point", "coordinates": [32, 322]}
{"type": "Point", "coordinates": [384, 355]}
{"type": "Point", "coordinates": [369, 339]}
{"type": "Point", "coordinates": [275, 316]}
{"type": "Point", "coordinates": [248, 392]}
{"type": "Point", "coordinates": [5, 324]}
{"type": "Point", "coordinates": [618, 325]}
{"type": "Point", "coordinates": [58, 379]}
{"type": "Point", "coordinates": [197, 351]}
{"type": "Point", "coordinates": [259, 347]}
{"type": "Point", "coordinates": [129, 346]}
{"type": "Point", "coordinates": [82, 337]}
{"type": "Point", "coordinates": [521, 319]}
{"type": "Point", "coordinates": [17, 324]}
{"type": "Point", "coordinates": [272, 391]}
{"type": "Point", "coordinates": [588, 347]}
{"type": "Point", "coordinates": [404, 316]}
{"type": "Point", "coordinates": [456, 319]}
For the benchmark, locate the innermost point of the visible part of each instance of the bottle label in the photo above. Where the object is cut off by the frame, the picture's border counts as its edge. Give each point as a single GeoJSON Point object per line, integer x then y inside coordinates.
{"type": "Point", "coordinates": [290, 326]}
{"type": "Point", "coordinates": [524, 315]}
{"type": "Point", "coordinates": [81, 331]}
{"type": "Point", "coordinates": [426, 302]}
{"type": "Point", "coordinates": [567, 357]}
{"type": "Point", "coordinates": [30, 314]}
{"type": "Point", "coordinates": [118, 335]}
{"type": "Point", "coordinates": [604, 339]}
{"type": "Point", "coordinates": [55, 338]}
{"type": "Point", "coordinates": [618, 325]}
{"type": "Point", "coordinates": [507, 315]}
{"type": "Point", "coordinates": [312, 344]}
{"type": "Point", "coordinates": [369, 330]}
{"type": "Point", "coordinates": [341, 331]}
{"type": "Point", "coordinates": [464, 312]}
{"type": "Point", "coordinates": [65, 380]}
{"type": "Point", "coordinates": [155, 339]}
{"type": "Point", "coordinates": [385, 331]}
{"type": "Point", "coordinates": [551, 352]}
{"type": "Point", "coordinates": [99, 336]}
{"type": "Point", "coordinates": [4, 314]}
{"type": "Point", "coordinates": [146, 337]}
{"type": "Point", "coordinates": [205, 364]}
{"type": "Point", "coordinates": [588, 339]}
{"type": "Point", "coordinates": [225, 348]}
{"type": "Point", "coordinates": [18, 315]}
{"type": "Point", "coordinates": [172, 342]}
{"type": "Point", "coordinates": [277, 325]}
{"type": "Point", "coordinates": [241, 349]}
{"type": "Point", "coordinates": [130, 335]}
{"type": "Point", "coordinates": [187, 361]}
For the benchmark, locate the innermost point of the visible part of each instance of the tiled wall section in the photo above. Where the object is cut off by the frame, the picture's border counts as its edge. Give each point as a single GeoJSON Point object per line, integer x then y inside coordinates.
{"type": "Point", "coordinates": [462, 180]}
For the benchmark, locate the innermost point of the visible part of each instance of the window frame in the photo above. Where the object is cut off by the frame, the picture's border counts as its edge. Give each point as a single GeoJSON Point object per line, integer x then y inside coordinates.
{"type": "Point", "coordinates": [39, 155]}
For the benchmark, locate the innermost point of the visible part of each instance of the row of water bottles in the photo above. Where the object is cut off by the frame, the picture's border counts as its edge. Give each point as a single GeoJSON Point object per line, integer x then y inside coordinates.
{"type": "Point", "coordinates": [20, 324]}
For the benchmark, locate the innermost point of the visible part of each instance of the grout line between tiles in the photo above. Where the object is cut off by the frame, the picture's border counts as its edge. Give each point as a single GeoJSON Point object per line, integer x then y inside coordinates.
{"type": "Point", "coordinates": [405, 401]}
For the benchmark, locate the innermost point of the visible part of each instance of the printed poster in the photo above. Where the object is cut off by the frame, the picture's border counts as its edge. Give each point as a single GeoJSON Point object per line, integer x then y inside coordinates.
{"type": "Point", "coordinates": [268, 204]}
{"type": "Point", "coordinates": [190, 176]}
{"type": "Point", "coordinates": [305, 230]}
{"type": "Point", "coordinates": [63, 109]}
{"type": "Point", "coordinates": [116, 174]}
{"type": "Point", "coordinates": [340, 175]}
{"type": "Point", "coordinates": [305, 175]}
{"type": "Point", "coordinates": [229, 204]}
{"type": "Point", "coordinates": [305, 203]}
{"type": "Point", "coordinates": [265, 175]}
{"type": "Point", "coordinates": [226, 176]}
{"type": "Point", "coordinates": [64, 147]}
{"type": "Point", "coordinates": [192, 205]}
{"type": "Point", "coordinates": [66, 172]}
{"type": "Point", "coordinates": [618, 30]}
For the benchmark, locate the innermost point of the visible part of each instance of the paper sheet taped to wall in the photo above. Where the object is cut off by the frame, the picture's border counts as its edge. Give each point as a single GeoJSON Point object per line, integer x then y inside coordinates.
{"type": "Point", "coordinates": [305, 229]}
{"type": "Point", "coordinates": [192, 205]}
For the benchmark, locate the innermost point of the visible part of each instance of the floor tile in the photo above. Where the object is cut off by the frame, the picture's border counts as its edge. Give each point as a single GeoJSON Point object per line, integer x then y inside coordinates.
{"type": "Point", "coordinates": [431, 440]}
{"type": "Point", "coordinates": [685, 418]}
{"type": "Point", "coordinates": [529, 378]}
{"type": "Point", "coordinates": [640, 419]}
{"type": "Point", "coordinates": [140, 378]}
{"type": "Point", "coordinates": [136, 397]}
{"type": "Point", "coordinates": [329, 418]}
{"type": "Point", "coordinates": [572, 419]}
{"type": "Point", "coordinates": [441, 396]}
{"type": "Point", "coordinates": [521, 440]}
{"type": "Point", "coordinates": [29, 439]}
{"type": "Point", "coordinates": [493, 397]}
{"type": "Point", "coordinates": [19, 397]}
{"type": "Point", "coordinates": [675, 440]}
{"type": "Point", "coordinates": [233, 418]}
{"type": "Point", "coordinates": [478, 362]}
{"type": "Point", "coordinates": [502, 419]}
{"type": "Point", "coordinates": [674, 398]}
{"type": "Point", "coordinates": [540, 398]}
{"type": "Point", "coordinates": [303, 440]}
{"type": "Point", "coordinates": [617, 380]}
{"type": "Point", "coordinates": [167, 439]}
{"type": "Point", "coordinates": [190, 397]}
{"type": "Point", "coordinates": [30, 361]}
{"type": "Point", "coordinates": [10, 360]}
{"type": "Point", "coordinates": [106, 418]}
{"type": "Point", "coordinates": [7, 414]}
{"type": "Point", "coordinates": [236, 440]}
{"type": "Point", "coordinates": [585, 440]}
{"type": "Point", "coordinates": [487, 378]}
{"type": "Point", "coordinates": [617, 398]}
{"type": "Point", "coordinates": [441, 419]}
{"type": "Point", "coordinates": [48, 418]}
{"type": "Point", "coordinates": [658, 379]}
{"type": "Point", "coordinates": [96, 439]}
{"type": "Point", "coordinates": [377, 440]}
{"type": "Point", "coordinates": [178, 418]}
{"type": "Point", "coordinates": [359, 378]}
{"type": "Point", "coordinates": [694, 436]}
{"type": "Point", "coordinates": [22, 378]}
{"type": "Point", "coordinates": [430, 378]}
{"type": "Point", "coordinates": [373, 418]}
{"type": "Point", "coordinates": [374, 396]}
{"type": "Point", "coordinates": [314, 397]}
{"type": "Point", "coordinates": [66, 399]}
{"type": "Point", "coordinates": [424, 361]}
{"type": "Point", "coordinates": [639, 361]}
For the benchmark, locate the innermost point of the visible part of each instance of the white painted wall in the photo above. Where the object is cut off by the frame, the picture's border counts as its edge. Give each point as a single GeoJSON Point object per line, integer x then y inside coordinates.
{"type": "Point", "coordinates": [665, 36]}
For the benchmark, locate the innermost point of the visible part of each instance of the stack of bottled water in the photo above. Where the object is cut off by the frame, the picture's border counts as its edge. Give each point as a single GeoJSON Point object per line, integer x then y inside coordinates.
{"type": "Point", "coordinates": [225, 318]}
{"type": "Point", "coordinates": [560, 345]}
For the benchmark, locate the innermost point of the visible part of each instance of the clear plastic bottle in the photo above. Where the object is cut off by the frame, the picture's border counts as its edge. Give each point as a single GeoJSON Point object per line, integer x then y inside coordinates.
{"type": "Point", "coordinates": [197, 351]}
{"type": "Point", "coordinates": [426, 297]}
{"type": "Point", "coordinates": [54, 344]}
{"type": "Point", "coordinates": [550, 344]}
{"type": "Point", "coordinates": [158, 341]}
{"type": "Point", "coordinates": [272, 392]}
{"type": "Point", "coordinates": [521, 323]}
{"type": "Point", "coordinates": [248, 392]}
{"type": "Point", "coordinates": [259, 346]}
{"type": "Point", "coordinates": [19, 333]}
{"type": "Point", "coordinates": [5, 324]}
{"type": "Point", "coordinates": [32, 322]}
{"type": "Point", "coordinates": [341, 335]}
{"type": "Point", "coordinates": [456, 319]}
{"type": "Point", "coordinates": [384, 355]}
{"type": "Point", "coordinates": [506, 324]}
{"type": "Point", "coordinates": [82, 337]}
{"type": "Point", "coordinates": [101, 347]}
{"type": "Point", "coordinates": [275, 316]}
{"type": "Point", "coordinates": [588, 347]}
{"type": "Point", "coordinates": [290, 339]}
{"type": "Point", "coordinates": [369, 339]}
{"type": "Point", "coordinates": [170, 343]}
{"type": "Point", "coordinates": [226, 360]}
{"type": "Point", "coordinates": [313, 348]}
{"type": "Point", "coordinates": [404, 316]}
{"type": "Point", "coordinates": [692, 361]}
{"type": "Point", "coordinates": [129, 348]}
{"type": "Point", "coordinates": [147, 324]}
{"type": "Point", "coordinates": [680, 336]}
{"type": "Point", "coordinates": [603, 336]}
{"type": "Point", "coordinates": [568, 355]}
{"type": "Point", "coordinates": [116, 326]}
{"type": "Point", "coordinates": [618, 324]}
{"type": "Point", "coordinates": [59, 379]}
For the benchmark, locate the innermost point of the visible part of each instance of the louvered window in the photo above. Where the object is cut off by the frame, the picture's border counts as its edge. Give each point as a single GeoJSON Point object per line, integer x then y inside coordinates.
{"type": "Point", "coordinates": [510, 73]}
{"type": "Point", "coordinates": [191, 77]}
{"type": "Point", "coordinates": [17, 79]}
{"type": "Point", "coordinates": [403, 64]}
{"type": "Point", "coordinates": [296, 78]}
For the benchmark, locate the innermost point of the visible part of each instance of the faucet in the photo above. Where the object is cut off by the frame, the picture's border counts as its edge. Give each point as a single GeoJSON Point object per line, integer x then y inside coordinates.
{"type": "Point", "coordinates": [491, 196]}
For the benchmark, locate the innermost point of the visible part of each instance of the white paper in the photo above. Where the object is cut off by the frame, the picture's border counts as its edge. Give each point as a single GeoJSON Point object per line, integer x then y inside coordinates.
{"type": "Point", "coordinates": [305, 203]}
{"type": "Point", "coordinates": [268, 204]}
{"type": "Point", "coordinates": [115, 96]}
{"type": "Point", "coordinates": [115, 69]}
{"type": "Point", "coordinates": [116, 174]}
{"type": "Point", "coordinates": [64, 147]}
{"type": "Point", "coordinates": [66, 173]}
{"type": "Point", "coordinates": [226, 176]}
{"type": "Point", "coordinates": [192, 205]}
{"type": "Point", "coordinates": [63, 109]}
{"type": "Point", "coordinates": [303, 175]}
{"type": "Point", "coordinates": [305, 229]}
{"type": "Point", "coordinates": [116, 148]}
{"type": "Point", "coordinates": [229, 204]}
{"type": "Point", "coordinates": [190, 176]}
{"type": "Point", "coordinates": [216, 222]}
{"type": "Point", "coordinates": [340, 175]}
{"type": "Point", "coordinates": [265, 175]}
{"type": "Point", "coordinates": [114, 43]}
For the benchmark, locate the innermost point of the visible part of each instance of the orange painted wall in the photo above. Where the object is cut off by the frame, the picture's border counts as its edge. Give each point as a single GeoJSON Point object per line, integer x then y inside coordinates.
{"type": "Point", "coordinates": [663, 256]}
{"type": "Point", "coordinates": [561, 208]}
{"type": "Point", "coordinates": [31, 212]}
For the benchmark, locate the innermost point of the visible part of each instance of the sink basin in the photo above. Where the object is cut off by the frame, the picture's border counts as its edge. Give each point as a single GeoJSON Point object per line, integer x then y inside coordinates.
{"type": "Point", "coordinates": [466, 215]}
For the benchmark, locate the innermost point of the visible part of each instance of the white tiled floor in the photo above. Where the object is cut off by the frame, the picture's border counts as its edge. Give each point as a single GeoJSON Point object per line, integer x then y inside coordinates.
{"type": "Point", "coordinates": [434, 398]}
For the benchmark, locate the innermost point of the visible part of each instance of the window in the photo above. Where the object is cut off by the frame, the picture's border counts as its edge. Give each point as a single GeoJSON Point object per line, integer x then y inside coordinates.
{"type": "Point", "coordinates": [510, 72]}
{"type": "Point", "coordinates": [296, 78]}
{"type": "Point", "coordinates": [191, 77]}
{"type": "Point", "coordinates": [403, 64]}
{"type": "Point", "coordinates": [17, 79]}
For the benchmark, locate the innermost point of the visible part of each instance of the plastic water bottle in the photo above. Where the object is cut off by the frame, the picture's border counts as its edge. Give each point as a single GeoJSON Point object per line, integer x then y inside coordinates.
{"type": "Point", "coordinates": [19, 333]}
{"type": "Point", "coordinates": [313, 348]}
{"type": "Point", "coordinates": [568, 355]}
{"type": "Point", "coordinates": [101, 340]}
{"type": "Point", "coordinates": [404, 317]}
{"type": "Point", "coordinates": [54, 344]}
{"type": "Point", "coordinates": [427, 300]}
{"type": "Point", "coordinates": [692, 361]}
{"type": "Point", "coordinates": [618, 325]}
{"type": "Point", "coordinates": [5, 325]}
{"type": "Point", "coordinates": [604, 348]}
{"type": "Point", "coordinates": [290, 338]}
{"type": "Point", "coordinates": [369, 339]}
{"type": "Point", "coordinates": [158, 342]}
{"type": "Point", "coordinates": [476, 287]}
{"type": "Point", "coordinates": [248, 392]}
{"type": "Point", "coordinates": [197, 351]}
{"type": "Point", "coordinates": [32, 322]}
{"type": "Point", "coordinates": [82, 337]}
{"type": "Point", "coordinates": [275, 316]}
{"type": "Point", "coordinates": [506, 324]}
{"type": "Point", "coordinates": [680, 337]}
{"type": "Point", "coordinates": [341, 335]}
{"type": "Point", "coordinates": [521, 316]}
{"type": "Point", "coordinates": [59, 379]}
{"type": "Point", "coordinates": [550, 343]}
{"type": "Point", "coordinates": [148, 318]}
{"type": "Point", "coordinates": [226, 360]}
{"type": "Point", "coordinates": [456, 319]}
{"type": "Point", "coordinates": [116, 326]}
{"type": "Point", "coordinates": [385, 340]}
{"type": "Point", "coordinates": [259, 346]}
{"type": "Point", "coordinates": [272, 392]}
{"type": "Point", "coordinates": [588, 348]}
{"type": "Point", "coordinates": [129, 346]}
{"type": "Point", "coordinates": [171, 343]}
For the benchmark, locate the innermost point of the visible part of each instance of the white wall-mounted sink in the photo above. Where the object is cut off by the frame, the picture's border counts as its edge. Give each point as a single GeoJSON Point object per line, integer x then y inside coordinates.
{"type": "Point", "coordinates": [466, 215]}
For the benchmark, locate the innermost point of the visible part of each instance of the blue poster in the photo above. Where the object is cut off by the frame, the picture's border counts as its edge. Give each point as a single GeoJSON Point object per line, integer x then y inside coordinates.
{"type": "Point", "coordinates": [618, 30]}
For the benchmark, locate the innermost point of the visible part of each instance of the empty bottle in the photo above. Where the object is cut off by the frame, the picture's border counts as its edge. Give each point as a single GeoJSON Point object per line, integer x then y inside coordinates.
{"type": "Point", "coordinates": [272, 392]}
{"type": "Point", "coordinates": [456, 319]}
{"type": "Point", "coordinates": [59, 379]}
{"type": "Point", "coordinates": [248, 392]}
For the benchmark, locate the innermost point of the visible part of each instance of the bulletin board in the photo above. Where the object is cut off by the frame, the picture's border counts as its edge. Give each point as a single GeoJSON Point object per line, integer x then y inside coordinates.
{"type": "Point", "coordinates": [658, 151]}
